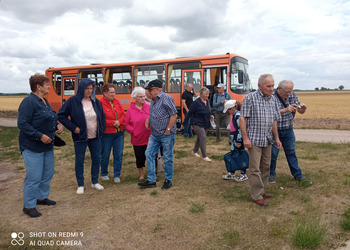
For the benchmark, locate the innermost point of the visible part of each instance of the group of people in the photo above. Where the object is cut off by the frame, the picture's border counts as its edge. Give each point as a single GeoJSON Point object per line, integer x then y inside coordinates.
{"type": "Point", "coordinates": [98, 125]}
{"type": "Point", "coordinates": [265, 118]}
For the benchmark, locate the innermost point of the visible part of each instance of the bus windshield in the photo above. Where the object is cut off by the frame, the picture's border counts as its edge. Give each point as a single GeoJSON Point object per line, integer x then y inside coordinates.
{"type": "Point", "coordinates": [240, 83]}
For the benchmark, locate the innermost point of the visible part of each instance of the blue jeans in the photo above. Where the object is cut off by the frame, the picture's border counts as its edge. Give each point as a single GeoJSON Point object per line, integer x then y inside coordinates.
{"type": "Point", "coordinates": [39, 172]}
{"type": "Point", "coordinates": [287, 138]}
{"type": "Point", "coordinates": [154, 143]}
{"type": "Point", "coordinates": [188, 128]}
{"type": "Point", "coordinates": [95, 153]}
{"type": "Point", "coordinates": [117, 142]}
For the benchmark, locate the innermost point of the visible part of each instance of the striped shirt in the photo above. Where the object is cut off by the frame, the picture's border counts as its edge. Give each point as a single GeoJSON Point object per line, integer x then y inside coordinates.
{"type": "Point", "coordinates": [286, 120]}
{"type": "Point", "coordinates": [161, 109]}
{"type": "Point", "coordinates": [260, 113]}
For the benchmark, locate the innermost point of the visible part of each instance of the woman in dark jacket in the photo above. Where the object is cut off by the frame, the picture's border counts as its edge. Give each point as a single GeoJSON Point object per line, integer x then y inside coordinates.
{"type": "Point", "coordinates": [83, 115]}
{"type": "Point", "coordinates": [37, 124]}
{"type": "Point", "coordinates": [201, 117]}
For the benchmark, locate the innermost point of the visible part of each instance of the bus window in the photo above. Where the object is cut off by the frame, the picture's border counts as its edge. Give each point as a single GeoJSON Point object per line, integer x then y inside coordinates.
{"type": "Point", "coordinates": [69, 86]}
{"type": "Point", "coordinates": [174, 75]}
{"type": "Point", "coordinates": [214, 76]}
{"type": "Point", "coordinates": [57, 82]}
{"type": "Point", "coordinates": [121, 78]}
{"type": "Point", "coordinates": [94, 74]}
{"type": "Point", "coordinates": [147, 73]}
{"type": "Point", "coordinates": [194, 78]}
{"type": "Point", "coordinates": [240, 83]}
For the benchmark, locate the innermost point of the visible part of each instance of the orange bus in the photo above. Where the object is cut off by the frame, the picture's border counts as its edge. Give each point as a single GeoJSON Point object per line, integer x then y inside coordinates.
{"type": "Point", "coordinates": [208, 71]}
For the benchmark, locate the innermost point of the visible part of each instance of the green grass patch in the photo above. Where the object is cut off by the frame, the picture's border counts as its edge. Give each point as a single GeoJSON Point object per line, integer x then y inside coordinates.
{"type": "Point", "coordinates": [197, 207]}
{"type": "Point", "coordinates": [345, 223]}
{"type": "Point", "coordinates": [9, 144]}
{"type": "Point", "coordinates": [180, 154]}
{"type": "Point", "coordinates": [305, 198]}
{"type": "Point", "coordinates": [308, 233]}
{"type": "Point", "coordinates": [313, 156]}
{"type": "Point", "coordinates": [231, 238]}
{"type": "Point", "coordinates": [237, 192]}
{"type": "Point", "coordinates": [154, 193]}
{"type": "Point", "coordinates": [217, 157]}
{"type": "Point", "coordinates": [346, 181]}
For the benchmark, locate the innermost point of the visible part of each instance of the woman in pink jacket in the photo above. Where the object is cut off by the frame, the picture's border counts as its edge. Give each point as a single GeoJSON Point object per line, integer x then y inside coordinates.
{"type": "Point", "coordinates": [135, 119]}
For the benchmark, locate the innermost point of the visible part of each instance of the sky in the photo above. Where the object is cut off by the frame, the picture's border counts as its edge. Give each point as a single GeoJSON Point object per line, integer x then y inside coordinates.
{"type": "Point", "coordinates": [307, 41]}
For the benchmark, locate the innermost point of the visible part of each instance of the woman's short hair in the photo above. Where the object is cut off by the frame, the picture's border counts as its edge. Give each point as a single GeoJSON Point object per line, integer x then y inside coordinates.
{"type": "Point", "coordinates": [136, 91]}
{"type": "Point", "coordinates": [107, 86]}
{"type": "Point", "coordinates": [36, 79]}
{"type": "Point", "coordinates": [203, 90]}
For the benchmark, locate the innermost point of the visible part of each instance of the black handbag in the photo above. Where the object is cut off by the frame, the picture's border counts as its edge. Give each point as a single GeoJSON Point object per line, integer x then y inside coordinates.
{"type": "Point", "coordinates": [58, 141]}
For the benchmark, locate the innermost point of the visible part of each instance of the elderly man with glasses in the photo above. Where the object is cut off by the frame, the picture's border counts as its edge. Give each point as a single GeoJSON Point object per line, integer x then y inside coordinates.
{"type": "Point", "coordinates": [288, 104]}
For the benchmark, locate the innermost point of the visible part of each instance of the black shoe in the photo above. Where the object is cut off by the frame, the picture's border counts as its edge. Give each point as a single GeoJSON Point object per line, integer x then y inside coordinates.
{"type": "Point", "coordinates": [147, 184]}
{"type": "Point", "coordinates": [32, 212]}
{"type": "Point", "coordinates": [46, 202]}
{"type": "Point", "coordinates": [167, 184]}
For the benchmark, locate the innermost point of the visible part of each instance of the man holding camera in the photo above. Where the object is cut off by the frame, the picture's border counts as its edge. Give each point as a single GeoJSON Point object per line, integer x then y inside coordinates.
{"type": "Point", "coordinates": [289, 104]}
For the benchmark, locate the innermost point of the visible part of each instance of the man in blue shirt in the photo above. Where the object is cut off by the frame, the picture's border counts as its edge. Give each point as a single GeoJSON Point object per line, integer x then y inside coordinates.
{"type": "Point", "coordinates": [289, 104]}
{"type": "Point", "coordinates": [162, 120]}
{"type": "Point", "coordinates": [219, 100]}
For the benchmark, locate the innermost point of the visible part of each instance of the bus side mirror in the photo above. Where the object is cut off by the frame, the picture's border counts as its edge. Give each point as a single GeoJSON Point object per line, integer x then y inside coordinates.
{"type": "Point", "coordinates": [240, 76]}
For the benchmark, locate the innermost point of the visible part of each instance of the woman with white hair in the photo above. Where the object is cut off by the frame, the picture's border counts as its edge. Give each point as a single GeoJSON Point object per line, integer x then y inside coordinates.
{"type": "Point", "coordinates": [135, 119]}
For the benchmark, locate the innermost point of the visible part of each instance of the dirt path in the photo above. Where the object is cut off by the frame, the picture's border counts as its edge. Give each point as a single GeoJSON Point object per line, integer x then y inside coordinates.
{"type": "Point", "coordinates": [308, 135]}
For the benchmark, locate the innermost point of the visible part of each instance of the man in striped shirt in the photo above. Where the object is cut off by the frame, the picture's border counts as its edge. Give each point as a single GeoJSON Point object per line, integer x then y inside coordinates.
{"type": "Point", "coordinates": [258, 122]}
{"type": "Point", "coordinates": [162, 120]}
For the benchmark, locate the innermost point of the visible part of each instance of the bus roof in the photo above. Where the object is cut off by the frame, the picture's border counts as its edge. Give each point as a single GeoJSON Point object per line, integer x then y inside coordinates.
{"type": "Point", "coordinates": [137, 63]}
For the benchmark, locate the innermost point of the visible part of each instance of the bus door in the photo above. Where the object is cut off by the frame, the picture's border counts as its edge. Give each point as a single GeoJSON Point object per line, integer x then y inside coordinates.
{"type": "Point", "coordinates": [68, 87]}
{"type": "Point", "coordinates": [194, 76]}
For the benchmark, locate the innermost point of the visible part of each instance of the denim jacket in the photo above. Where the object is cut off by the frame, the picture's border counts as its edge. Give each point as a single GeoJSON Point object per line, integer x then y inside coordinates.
{"type": "Point", "coordinates": [34, 120]}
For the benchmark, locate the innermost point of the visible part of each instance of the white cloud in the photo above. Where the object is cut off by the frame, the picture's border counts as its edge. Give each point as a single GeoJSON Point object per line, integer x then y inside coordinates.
{"type": "Point", "coordinates": [303, 40]}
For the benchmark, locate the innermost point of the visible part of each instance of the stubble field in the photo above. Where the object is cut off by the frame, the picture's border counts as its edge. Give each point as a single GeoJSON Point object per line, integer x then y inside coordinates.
{"type": "Point", "coordinates": [201, 211]}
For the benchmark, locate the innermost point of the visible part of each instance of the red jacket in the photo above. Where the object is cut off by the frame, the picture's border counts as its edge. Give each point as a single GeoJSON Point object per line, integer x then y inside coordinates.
{"type": "Point", "coordinates": [110, 114]}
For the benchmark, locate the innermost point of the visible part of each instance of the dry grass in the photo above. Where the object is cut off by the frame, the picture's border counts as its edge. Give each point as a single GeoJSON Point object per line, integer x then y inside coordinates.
{"type": "Point", "coordinates": [10, 103]}
{"type": "Point", "coordinates": [325, 104]}
{"type": "Point", "coordinates": [326, 109]}
{"type": "Point", "coordinates": [125, 217]}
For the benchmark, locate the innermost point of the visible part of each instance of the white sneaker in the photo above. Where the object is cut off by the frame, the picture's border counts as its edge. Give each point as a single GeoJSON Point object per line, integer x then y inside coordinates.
{"type": "Point", "coordinates": [243, 177]}
{"type": "Point", "coordinates": [105, 178]}
{"type": "Point", "coordinates": [116, 180]}
{"type": "Point", "coordinates": [228, 176]}
{"type": "Point", "coordinates": [97, 186]}
{"type": "Point", "coordinates": [80, 190]}
{"type": "Point", "coordinates": [206, 159]}
{"type": "Point", "coordinates": [195, 154]}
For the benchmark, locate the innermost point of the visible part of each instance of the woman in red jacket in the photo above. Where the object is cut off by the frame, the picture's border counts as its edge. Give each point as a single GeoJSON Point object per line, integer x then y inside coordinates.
{"type": "Point", "coordinates": [113, 136]}
{"type": "Point", "coordinates": [135, 119]}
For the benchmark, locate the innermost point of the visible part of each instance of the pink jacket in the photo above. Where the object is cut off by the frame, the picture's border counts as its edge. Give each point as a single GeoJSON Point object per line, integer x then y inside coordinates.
{"type": "Point", "coordinates": [135, 124]}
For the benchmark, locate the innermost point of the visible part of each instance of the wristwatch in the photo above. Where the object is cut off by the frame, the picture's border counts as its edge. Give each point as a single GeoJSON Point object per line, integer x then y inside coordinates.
{"type": "Point", "coordinates": [168, 129]}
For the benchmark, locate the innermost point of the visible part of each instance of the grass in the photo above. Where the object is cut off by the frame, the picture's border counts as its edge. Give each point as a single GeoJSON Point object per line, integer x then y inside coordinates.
{"type": "Point", "coordinates": [345, 222]}
{"type": "Point", "coordinates": [200, 211]}
{"type": "Point", "coordinates": [197, 207]}
{"type": "Point", "coordinates": [308, 233]}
